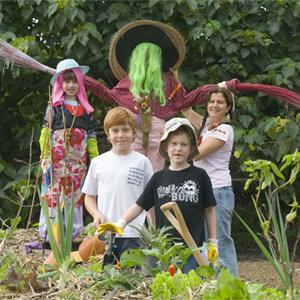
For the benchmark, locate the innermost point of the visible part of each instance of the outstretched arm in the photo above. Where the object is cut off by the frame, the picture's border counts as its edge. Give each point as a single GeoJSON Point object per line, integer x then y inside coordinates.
{"type": "Point", "coordinates": [192, 116]}
{"type": "Point", "coordinates": [118, 227]}
{"type": "Point", "coordinates": [134, 211]}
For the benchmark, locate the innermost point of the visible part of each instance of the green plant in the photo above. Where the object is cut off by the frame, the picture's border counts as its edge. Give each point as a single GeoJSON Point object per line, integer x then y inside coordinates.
{"type": "Point", "coordinates": [113, 278]}
{"type": "Point", "coordinates": [62, 249]}
{"type": "Point", "coordinates": [228, 287]}
{"type": "Point", "coordinates": [153, 237]}
{"type": "Point", "coordinates": [272, 222]}
{"type": "Point", "coordinates": [165, 286]}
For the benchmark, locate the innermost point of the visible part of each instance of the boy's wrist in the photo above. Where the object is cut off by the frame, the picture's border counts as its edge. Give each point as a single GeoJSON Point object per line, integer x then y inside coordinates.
{"type": "Point", "coordinates": [215, 242]}
{"type": "Point", "coordinates": [121, 223]}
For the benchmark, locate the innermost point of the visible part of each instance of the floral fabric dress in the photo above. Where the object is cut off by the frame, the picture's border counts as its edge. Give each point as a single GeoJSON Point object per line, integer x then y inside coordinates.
{"type": "Point", "coordinates": [71, 128]}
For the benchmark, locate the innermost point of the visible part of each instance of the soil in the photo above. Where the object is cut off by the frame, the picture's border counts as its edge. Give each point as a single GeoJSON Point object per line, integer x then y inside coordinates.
{"type": "Point", "coordinates": [255, 268]}
{"type": "Point", "coordinates": [252, 265]}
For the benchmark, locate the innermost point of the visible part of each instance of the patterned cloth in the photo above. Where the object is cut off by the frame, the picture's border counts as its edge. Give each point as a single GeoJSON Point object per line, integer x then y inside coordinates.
{"type": "Point", "coordinates": [68, 166]}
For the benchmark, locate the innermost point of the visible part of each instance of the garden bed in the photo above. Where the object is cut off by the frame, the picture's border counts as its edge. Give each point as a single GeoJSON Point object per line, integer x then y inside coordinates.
{"type": "Point", "coordinates": [252, 267]}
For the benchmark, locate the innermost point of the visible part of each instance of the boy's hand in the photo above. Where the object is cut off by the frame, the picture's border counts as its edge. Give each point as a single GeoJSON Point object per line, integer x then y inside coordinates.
{"type": "Point", "coordinates": [213, 250]}
{"type": "Point", "coordinates": [117, 227]}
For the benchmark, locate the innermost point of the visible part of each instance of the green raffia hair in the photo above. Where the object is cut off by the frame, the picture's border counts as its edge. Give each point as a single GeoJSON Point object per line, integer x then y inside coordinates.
{"type": "Point", "coordinates": [145, 72]}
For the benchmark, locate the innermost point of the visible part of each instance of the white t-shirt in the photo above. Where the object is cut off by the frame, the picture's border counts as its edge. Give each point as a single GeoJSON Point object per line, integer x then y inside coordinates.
{"type": "Point", "coordinates": [217, 163]}
{"type": "Point", "coordinates": [118, 181]}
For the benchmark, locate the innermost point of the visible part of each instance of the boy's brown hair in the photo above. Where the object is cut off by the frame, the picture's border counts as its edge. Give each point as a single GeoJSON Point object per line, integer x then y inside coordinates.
{"type": "Point", "coordinates": [120, 116]}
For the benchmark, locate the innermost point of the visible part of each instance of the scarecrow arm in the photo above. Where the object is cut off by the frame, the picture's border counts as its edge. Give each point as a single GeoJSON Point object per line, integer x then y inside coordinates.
{"type": "Point", "coordinates": [273, 91]}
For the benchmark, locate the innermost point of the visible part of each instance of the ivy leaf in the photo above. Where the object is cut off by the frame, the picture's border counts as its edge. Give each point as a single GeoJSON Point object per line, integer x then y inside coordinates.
{"type": "Point", "coordinates": [245, 120]}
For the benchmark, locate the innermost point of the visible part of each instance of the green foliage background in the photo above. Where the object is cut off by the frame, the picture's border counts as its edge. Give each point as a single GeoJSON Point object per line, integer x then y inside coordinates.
{"type": "Point", "coordinates": [254, 41]}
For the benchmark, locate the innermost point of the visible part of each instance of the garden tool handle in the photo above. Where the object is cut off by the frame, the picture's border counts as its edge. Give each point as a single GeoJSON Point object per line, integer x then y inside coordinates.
{"type": "Point", "coordinates": [181, 227]}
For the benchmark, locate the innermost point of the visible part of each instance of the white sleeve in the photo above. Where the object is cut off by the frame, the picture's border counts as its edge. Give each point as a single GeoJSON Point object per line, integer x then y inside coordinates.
{"type": "Point", "coordinates": [222, 132]}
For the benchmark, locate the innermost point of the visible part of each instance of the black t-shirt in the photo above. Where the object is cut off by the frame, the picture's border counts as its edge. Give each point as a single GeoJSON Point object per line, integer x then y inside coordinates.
{"type": "Point", "coordinates": [190, 188]}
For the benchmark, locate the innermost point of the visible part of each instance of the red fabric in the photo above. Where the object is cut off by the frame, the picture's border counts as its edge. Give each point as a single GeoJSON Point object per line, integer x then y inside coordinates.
{"type": "Point", "coordinates": [121, 95]}
{"type": "Point", "coordinates": [274, 91]}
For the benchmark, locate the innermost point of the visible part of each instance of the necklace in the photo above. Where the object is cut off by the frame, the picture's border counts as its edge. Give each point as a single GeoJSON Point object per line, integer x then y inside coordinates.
{"type": "Point", "coordinates": [68, 131]}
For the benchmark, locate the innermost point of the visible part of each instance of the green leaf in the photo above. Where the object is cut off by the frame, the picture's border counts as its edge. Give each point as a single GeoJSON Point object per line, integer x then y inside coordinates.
{"type": "Point", "coordinates": [216, 40]}
{"type": "Point", "coordinates": [291, 216]}
{"type": "Point", "coordinates": [245, 120]}
{"type": "Point", "coordinates": [245, 53]}
{"type": "Point", "coordinates": [238, 134]}
{"type": "Point", "coordinates": [80, 50]}
{"type": "Point", "coordinates": [61, 20]}
{"type": "Point", "coordinates": [208, 31]}
{"type": "Point", "coordinates": [79, 271]}
{"type": "Point", "coordinates": [205, 271]}
{"type": "Point", "coordinates": [288, 71]}
{"type": "Point", "coordinates": [114, 15]}
{"type": "Point", "coordinates": [276, 171]}
{"type": "Point", "coordinates": [52, 8]}
{"type": "Point", "coordinates": [92, 29]}
{"type": "Point", "coordinates": [83, 37]}
{"type": "Point", "coordinates": [153, 2]}
{"type": "Point", "coordinates": [71, 12]}
{"type": "Point", "coordinates": [192, 4]}
{"type": "Point", "coordinates": [132, 257]}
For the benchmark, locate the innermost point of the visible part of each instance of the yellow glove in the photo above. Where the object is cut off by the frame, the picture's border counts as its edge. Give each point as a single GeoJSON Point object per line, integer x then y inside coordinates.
{"type": "Point", "coordinates": [117, 227]}
{"type": "Point", "coordinates": [92, 148]}
{"type": "Point", "coordinates": [44, 142]}
{"type": "Point", "coordinates": [213, 250]}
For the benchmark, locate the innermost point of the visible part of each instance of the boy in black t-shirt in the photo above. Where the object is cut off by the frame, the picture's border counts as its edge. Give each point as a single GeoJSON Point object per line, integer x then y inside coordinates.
{"type": "Point", "coordinates": [182, 182]}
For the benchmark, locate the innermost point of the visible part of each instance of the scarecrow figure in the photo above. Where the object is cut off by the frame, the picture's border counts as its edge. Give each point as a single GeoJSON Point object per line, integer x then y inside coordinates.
{"type": "Point", "coordinates": [140, 56]}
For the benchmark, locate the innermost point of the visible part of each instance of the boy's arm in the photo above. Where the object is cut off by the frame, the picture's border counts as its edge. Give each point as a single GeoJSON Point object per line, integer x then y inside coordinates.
{"type": "Point", "coordinates": [134, 211]}
{"type": "Point", "coordinates": [210, 217]}
{"type": "Point", "coordinates": [90, 203]}
{"type": "Point", "coordinates": [118, 227]}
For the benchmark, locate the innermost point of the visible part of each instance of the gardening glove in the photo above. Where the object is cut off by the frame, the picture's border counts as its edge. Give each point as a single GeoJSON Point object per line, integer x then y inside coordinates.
{"type": "Point", "coordinates": [117, 227]}
{"type": "Point", "coordinates": [44, 142]}
{"type": "Point", "coordinates": [213, 250]}
{"type": "Point", "coordinates": [92, 148]}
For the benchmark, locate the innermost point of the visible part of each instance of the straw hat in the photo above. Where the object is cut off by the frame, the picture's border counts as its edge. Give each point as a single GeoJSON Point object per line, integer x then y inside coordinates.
{"type": "Point", "coordinates": [132, 34]}
{"type": "Point", "coordinates": [173, 125]}
{"type": "Point", "coordinates": [67, 64]}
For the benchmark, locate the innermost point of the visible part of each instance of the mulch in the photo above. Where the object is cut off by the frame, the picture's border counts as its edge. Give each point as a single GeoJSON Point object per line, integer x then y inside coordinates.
{"type": "Point", "coordinates": [253, 267]}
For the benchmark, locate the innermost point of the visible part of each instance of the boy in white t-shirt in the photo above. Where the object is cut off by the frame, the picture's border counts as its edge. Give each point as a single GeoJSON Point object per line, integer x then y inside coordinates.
{"type": "Point", "coordinates": [117, 178]}
{"type": "Point", "coordinates": [187, 185]}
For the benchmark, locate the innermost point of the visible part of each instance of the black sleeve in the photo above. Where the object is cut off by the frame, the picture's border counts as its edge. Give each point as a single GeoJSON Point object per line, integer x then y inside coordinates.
{"type": "Point", "coordinates": [91, 133]}
{"type": "Point", "coordinates": [209, 198]}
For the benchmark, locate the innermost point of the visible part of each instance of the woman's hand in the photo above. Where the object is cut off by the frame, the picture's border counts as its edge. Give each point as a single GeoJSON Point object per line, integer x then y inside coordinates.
{"type": "Point", "coordinates": [174, 74]}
